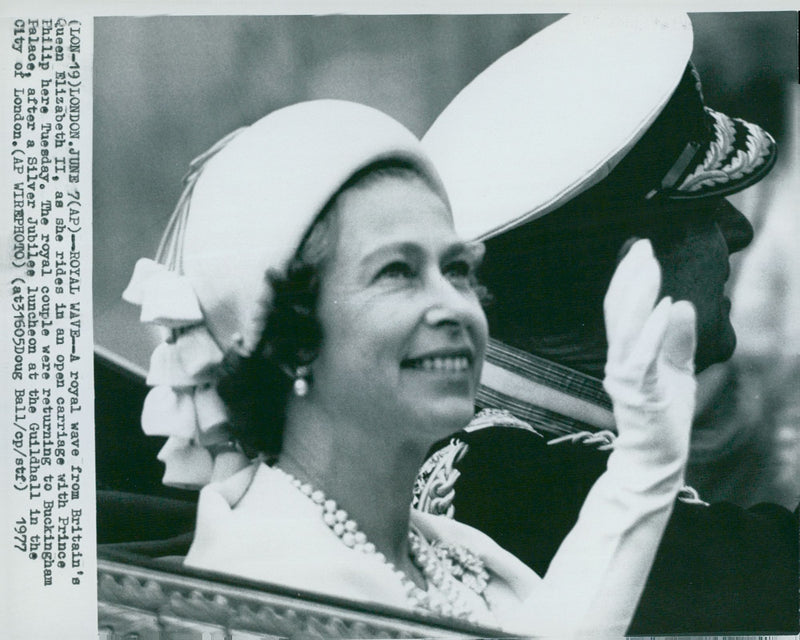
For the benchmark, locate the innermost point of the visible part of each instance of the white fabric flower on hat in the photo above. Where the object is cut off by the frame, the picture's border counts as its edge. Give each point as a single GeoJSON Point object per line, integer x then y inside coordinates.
{"type": "Point", "coordinates": [183, 404]}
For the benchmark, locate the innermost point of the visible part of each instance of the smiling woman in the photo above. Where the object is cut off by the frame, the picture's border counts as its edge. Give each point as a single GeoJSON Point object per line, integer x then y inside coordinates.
{"type": "Point", "coordinates": [377, 238]}
{"type": "Point", "coordinates": [398, 311]}
{"type": "Point", "coordinates": [323, 328]}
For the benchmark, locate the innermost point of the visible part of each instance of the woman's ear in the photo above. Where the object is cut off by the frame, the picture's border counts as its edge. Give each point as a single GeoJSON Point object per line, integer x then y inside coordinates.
{"type": "Point", "coordinates": [306, 356]}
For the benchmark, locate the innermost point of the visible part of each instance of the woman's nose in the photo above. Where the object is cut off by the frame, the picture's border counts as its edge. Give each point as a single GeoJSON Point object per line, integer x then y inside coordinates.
{"type": "Point", "coordinates": [440, 315]}
{"type": "Point", "coordinates": [450, 305]}
{"type": "Point", "coordinates": [735, 227]}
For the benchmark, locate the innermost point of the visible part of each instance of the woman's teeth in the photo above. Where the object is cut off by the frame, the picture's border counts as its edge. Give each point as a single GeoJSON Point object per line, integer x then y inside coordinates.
{"type": "Point", "coordinates": [454, 364]}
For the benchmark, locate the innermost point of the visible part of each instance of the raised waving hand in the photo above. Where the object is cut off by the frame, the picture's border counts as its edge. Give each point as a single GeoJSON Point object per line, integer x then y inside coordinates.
{"type": "Point", "coordinates": [604, 561]}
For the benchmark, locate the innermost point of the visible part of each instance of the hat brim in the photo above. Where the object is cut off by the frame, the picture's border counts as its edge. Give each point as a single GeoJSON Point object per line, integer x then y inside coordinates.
{"type": "Point", "coordinates": [739, 155]}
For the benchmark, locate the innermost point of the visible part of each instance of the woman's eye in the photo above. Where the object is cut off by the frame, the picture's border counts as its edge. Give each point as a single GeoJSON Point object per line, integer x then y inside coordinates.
{"type": "Point", "coordinates": [395, 271]}
{"type": "Point", "coordinates": [459, 272]}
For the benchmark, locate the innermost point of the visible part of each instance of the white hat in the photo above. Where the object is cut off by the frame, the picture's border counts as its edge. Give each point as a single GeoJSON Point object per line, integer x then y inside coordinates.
{"type": "Point", "coordinates": [555, 115]}
{"type": "Point", "coordinates": [257, 197]}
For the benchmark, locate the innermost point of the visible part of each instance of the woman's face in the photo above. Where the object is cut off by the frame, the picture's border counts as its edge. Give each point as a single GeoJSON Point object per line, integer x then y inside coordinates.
{"type": "Point", "coordinates": [403, 331]}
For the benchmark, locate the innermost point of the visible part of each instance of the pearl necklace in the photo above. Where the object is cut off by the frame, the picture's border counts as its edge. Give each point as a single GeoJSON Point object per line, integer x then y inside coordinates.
{"type": "Point", "coordinates": [448, 568]}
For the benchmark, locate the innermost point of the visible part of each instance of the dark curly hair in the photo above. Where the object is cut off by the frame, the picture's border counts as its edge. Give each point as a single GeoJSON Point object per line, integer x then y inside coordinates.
{"type": "Point", "coordinates": [257, 388]}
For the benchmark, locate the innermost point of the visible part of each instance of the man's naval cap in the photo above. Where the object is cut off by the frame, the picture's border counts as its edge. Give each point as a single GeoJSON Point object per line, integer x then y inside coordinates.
{"type": "Point", "coordinates": [590, 97]}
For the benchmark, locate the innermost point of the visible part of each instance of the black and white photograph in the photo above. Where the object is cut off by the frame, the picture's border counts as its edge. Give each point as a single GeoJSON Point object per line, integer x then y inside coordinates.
{"type": "Point", "coordinates": [415, 324]}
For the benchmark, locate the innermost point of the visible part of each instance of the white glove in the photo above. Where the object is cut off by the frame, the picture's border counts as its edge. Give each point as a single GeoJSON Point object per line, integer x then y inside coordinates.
{"type": "Point", "coordinates": [595, 580]}
{"type": "Point", "coordinates": [650, 366]}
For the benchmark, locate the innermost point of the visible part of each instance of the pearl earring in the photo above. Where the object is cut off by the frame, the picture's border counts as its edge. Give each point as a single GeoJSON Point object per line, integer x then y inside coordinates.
{"type": "Point", "coordinates": [300, 385]}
